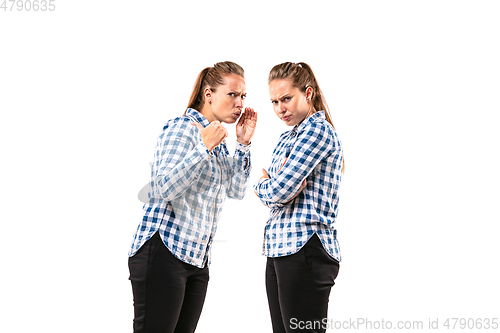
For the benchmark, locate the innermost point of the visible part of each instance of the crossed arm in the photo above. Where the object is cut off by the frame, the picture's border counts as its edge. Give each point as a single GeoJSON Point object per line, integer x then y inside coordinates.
{"type": "Point", "coordinates": [312, 145]}
{"type": "Point", "coordinates": [302, 186]}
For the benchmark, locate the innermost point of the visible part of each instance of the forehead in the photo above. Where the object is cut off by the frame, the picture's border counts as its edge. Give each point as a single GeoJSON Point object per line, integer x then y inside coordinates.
{"type": "Point", "coordinates": [277, 88]}
{"type": "Point", "coordinates": [234, 82]}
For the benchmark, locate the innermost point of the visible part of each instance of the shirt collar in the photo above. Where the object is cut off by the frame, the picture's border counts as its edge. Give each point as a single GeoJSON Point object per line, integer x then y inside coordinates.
{"type": "Point", "coordinates": [192, 113]}
{"type": "Point", "coordinates": [312, 118]}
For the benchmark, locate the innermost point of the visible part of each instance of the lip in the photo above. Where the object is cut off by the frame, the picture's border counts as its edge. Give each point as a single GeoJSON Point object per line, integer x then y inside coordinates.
{"type": "Point", "coordinates": [236, 115]}
{"type": "Point", "coordinates": [287, 118]}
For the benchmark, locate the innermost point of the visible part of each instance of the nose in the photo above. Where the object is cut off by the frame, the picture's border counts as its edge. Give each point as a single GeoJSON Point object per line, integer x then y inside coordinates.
{"type": "Point", "coordinates": [281, 108]}
{"type": "Point", "coordinates": [239, 102]}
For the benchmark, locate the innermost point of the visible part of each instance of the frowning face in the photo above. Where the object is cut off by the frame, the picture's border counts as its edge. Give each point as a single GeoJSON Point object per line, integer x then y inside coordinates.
{"type": "Point", "coordinates": [227, 101]}
{"type": "Point", "coordinates": [289, 103]}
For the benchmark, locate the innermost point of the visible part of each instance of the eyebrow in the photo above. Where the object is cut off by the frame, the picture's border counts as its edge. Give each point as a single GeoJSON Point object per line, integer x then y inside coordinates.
{"type": "Point", "coordinates": [237, 92]}
{"type": "Point", "coordinates": [282, 96]}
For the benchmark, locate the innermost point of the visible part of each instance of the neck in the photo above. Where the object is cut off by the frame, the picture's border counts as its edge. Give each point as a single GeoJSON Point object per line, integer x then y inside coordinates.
{"type": "Point", "coordinates": [207, 112]}
{"type": "Point", "coordinates": [311, 112]}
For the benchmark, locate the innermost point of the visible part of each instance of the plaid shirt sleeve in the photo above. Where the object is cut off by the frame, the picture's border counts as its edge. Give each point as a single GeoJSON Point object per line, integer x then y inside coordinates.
{"type": "Point", "coordinates": [178, 160]}
{"type": "Point", "coordinates": [310, 148]}
{"type": "Point", "coordinates": [241, 167]}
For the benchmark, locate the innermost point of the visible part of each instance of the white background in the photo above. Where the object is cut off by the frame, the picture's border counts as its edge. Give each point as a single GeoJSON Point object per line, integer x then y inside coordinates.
{"type": "Point", "coordinates": [413, 88]}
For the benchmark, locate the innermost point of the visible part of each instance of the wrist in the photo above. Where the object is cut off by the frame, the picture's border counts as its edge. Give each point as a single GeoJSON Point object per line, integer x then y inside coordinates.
{"type": "Point", "coordinates": [209, 146]}
{"type": "Point", "coordinates": [243, 142]}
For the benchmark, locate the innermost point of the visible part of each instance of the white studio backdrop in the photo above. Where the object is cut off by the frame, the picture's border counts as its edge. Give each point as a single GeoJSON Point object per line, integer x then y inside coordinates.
{"type": "Point", "coordinates": [413, 88]}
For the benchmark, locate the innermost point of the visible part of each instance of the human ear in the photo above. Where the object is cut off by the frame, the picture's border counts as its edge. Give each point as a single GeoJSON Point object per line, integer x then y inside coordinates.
{"type": "Point", "coordinates": [309, 93]}
{"type": "Point", "coordinates": [208, 95]}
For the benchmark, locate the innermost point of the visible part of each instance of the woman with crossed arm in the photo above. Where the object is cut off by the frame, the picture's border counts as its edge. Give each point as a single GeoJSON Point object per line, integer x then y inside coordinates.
{"type": "Point", "coordinates": [301, 189]}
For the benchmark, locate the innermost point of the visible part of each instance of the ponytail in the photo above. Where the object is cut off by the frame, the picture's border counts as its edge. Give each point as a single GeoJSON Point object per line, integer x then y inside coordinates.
{"type": "Point", "coordinates": [196, 98]}
{"type": "Point", "coordinates": [318, 99]}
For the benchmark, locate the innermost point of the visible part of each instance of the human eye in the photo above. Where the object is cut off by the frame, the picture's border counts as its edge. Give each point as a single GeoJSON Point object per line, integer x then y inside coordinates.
{"type": "Point", "coordinates": [232, 94]}
{"type": "Point", "coordinates": [243, 96]}
{"type": "Point", "coordinates": [274, 102]}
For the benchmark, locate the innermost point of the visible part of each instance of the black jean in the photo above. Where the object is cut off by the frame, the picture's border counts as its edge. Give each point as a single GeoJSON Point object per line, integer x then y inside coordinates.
{"type": "Point", "coordinates": [168, 293]}
{"type": "Point", "coordinates": [298, 288]}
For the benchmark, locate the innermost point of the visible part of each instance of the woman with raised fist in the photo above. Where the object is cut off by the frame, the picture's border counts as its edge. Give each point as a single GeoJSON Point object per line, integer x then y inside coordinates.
{"type": "Point", "coordinates": [191, 176]}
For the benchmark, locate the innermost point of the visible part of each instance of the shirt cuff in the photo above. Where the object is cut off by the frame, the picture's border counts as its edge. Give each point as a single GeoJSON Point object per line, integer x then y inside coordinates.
{"type": "Point", "coordinates": [243, 148]}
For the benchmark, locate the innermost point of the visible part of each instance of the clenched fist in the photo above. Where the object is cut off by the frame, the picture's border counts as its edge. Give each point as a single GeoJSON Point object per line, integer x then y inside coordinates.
{"type": "Point", "coordinates": [213, 134]}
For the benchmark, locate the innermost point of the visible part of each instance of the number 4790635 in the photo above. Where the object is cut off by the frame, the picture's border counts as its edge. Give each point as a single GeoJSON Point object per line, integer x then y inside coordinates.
{"type": "Point", "coordinates": [28, 5]}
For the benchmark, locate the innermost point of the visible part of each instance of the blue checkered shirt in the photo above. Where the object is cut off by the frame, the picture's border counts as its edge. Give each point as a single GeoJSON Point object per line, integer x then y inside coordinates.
{"type": "Point", "coordinates": [313, 152]}
{"type": "Point", "coordinates": [187, 189]}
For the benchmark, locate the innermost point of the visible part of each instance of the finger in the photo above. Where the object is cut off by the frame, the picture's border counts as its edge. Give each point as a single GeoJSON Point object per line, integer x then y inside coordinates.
{"type": "Point", "coordinates": [242, 119]}
{"type": "Point", "coordinates": [283, 164]}
{"type": "Point", "coordinates": [248, 112]}
{"type": "Point", "coordinates": [251, 115]}
{"type": "Point", "coordinates": [198, 126]}
{"type": "Point", "coordinates": [217, 127]}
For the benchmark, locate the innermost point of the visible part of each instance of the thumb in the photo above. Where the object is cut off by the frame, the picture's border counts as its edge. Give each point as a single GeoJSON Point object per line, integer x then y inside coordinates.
{"type": "Point", "coordinates": [198, 125]}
